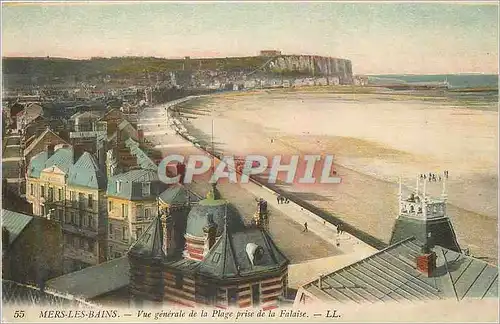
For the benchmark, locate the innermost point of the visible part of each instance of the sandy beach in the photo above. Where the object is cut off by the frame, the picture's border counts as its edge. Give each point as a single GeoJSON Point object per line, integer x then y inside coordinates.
{"type": "Point", "coordinates": [375, 139]}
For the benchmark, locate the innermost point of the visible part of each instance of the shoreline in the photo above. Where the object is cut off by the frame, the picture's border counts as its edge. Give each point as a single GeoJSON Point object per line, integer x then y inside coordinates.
{"type": "Point", "coordinates": [462, 218]}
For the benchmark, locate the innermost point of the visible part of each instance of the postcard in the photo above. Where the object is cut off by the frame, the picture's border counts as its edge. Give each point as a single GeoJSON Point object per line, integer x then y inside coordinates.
{"type": "Point", "coordinates": [241, 161]}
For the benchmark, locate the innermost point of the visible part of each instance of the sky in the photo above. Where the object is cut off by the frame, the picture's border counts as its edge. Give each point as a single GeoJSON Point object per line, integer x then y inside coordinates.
{"type": "Point", "coordinates": [379, 38]}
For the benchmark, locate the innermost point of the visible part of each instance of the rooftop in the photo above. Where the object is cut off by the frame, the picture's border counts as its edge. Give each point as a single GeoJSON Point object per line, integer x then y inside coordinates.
{"type": "Point", "coordinates": [391, 275]}
{"type": "Point", "coordinates": [15, 223]}
{"type": "Point", "coordinates": [93, 281]}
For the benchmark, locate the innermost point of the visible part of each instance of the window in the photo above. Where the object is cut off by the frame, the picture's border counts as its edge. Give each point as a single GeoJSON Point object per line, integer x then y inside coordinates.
{"type": "Point", "coordinates": [73, 218]}
{"type": "Point", "coordinates": [110, 229]}
{"type": "Point", "coordinates": [42, 210]}
{"type": "Point", "coordinates": [118, 186]}
{"type": "Point", "coordinates": [81, 198]}
{"type": "Point", "coordinates": [124, 210]}
{"type": "Point", "coordinates": [75, 242]}
{"type": "Point", "coordinates": [140, 212]}
{"type": "Point", "coordinates": [59, 193]}
{"type": "Point", "coordinates": [232, 296]}
{"type": "Point", "coordinates": [90, 200]}
{"type": "Point", "coordinates": [82, 243]}
{"type": "Point", "coordinates": [89, 221]}
{"type": "Point", "coordinates": [255, 295]}
{"type": "Point", "coordinates": [110, 206]}
{"type": "Point", "coordinates": [138, 232]}
{"type": "Point", "coordinates": [178, 281]}
{"type": "Point", "coordinates": [32, 191]}
{"type": "Point", "coordinates": [51, 194]}
{"type": "Point", "coordinates": [124, 233]}
{"type": "Point", "coordinates": [42, 191]}
{"type": "Point", "coordinates": [91, 246]}
{"type": "Point", "coordinates": [83, 221]}
{"type": "Point", "coordinates": [146, 189]}
{"type": "Point", "coordinates": [147, 213]}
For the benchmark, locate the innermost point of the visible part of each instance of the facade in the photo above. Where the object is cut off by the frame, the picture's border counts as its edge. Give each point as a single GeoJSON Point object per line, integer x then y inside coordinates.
{"type": "Point", "coordinates": [216, 261]}
{"type": "Point", "coordinates": [31, 248]}
{"type": "Point", "coordinates": [68, 186]}
{"type": "Point", "coordinates": [132, 205]}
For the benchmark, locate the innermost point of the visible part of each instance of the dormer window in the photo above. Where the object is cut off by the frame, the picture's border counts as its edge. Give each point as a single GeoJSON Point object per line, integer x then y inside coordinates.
{"type": "Point", "coordinates": [118, 186]}
{"type": "Point", "coordinates": [146, 189]}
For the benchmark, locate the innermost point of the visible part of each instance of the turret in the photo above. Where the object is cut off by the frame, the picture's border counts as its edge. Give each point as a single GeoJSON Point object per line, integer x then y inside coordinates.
{"type": "Point", "coordinates": [424, 218]}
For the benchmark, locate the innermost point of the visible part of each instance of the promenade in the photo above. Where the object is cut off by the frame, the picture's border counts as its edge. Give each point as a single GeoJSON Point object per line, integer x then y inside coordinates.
{"type": "Point", "coordinates": [303, 248]}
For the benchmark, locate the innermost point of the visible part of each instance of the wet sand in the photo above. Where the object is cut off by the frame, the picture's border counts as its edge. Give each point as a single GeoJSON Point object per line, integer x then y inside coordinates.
{"type": "Point", "coordinates": [374, 142]}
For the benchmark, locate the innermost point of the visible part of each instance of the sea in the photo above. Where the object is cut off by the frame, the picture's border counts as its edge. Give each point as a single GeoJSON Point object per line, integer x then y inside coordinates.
{"type": "Point", "coordinates": [456, 81]}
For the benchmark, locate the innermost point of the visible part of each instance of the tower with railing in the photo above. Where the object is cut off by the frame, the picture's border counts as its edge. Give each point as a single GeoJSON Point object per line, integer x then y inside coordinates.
{"type": "Point", "coordinates": [424, 217]}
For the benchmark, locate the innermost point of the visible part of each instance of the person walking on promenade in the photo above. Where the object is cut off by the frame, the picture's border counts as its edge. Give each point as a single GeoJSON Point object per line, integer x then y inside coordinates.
{"type": "Point", "coordinates": [339, 229]}
{"type": "Point", "coordinates": [305, 227]}
{"type": "Point", "coordinates": [278, 198]}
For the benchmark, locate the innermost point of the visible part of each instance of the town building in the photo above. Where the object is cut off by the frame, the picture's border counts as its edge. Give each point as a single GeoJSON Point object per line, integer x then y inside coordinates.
{"type": "Point", "coordinates": [132, 206]}
{"type": "Point", "coordinates": [28, 114]}
{"type": "Point", "coordinates": [39, 144]}
{"type": "Point", "coordinates": [68, 185]}
{"type": "Point", "coordinates": [216, 261]}
{"type": "Point", "coordinates": [31, 248]}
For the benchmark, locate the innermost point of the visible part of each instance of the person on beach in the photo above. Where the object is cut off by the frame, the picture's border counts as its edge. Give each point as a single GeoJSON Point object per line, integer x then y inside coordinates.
{"type": "Point", "coordinates": [305, 227]}
{"type": "Point", "coordinates": [339, 229]}
{"type": "Point", "coordinates": [278, 198]}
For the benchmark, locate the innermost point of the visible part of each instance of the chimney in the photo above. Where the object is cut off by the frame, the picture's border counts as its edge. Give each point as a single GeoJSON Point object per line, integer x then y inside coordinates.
{"type": "Point", "coordinates": [426, 261]}
{"type": "Point", "coordinates": [210, 231]}
{"type": "Point", "coordinates": [5, 238]}
{"type": "Point", "coordinates": [77, 152]}
{"type": "Point", "coordinates": [50, 150]}
{"type": "Point", "coordinates": [140, 135]}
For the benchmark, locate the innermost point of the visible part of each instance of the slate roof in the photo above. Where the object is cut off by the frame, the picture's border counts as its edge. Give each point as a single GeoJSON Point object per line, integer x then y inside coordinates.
{"type": "Point", "coordinates": [440, 229]}
{"type": "Point", "coordinates": [229, 259]}
{"type": "Point", "coordinates": [198, 217]}
{"type": "Point", "coordinates": [94, 281]}
{"type": "Point", "coordinates": [178, 194]}
{"type": "Point", "coordinates": [15, 223]}
{"type": "Point", "coordinates": [40, 138]}
{"type": "Point", "coordinates": [150, 243]}
{"type": "Point", "coordinates": [14, 293]}
{"type": "Point", "coordinates": [62, 158]}
{"type": "Point", "coordinates": [391, 275]}
{"type": "Point", "coordinates": [143, 159]}
{"type": "Point", "coordinates": [86, 173]}
{"type": "Point", "coordinates": [131, 185]}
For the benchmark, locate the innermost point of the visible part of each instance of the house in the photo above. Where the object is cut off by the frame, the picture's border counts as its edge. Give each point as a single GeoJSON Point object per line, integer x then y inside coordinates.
{"type": "Point", "coordinates": [209, 257]}
{"type": "Point", "coordinates": [68, 186]}
{"type": "Point", "coordinates": [84, 121]}
{"type": "Point", "coordinates": [31, 248]}
{"type": "Point", "coordinates": [48, 137]}
{"type": "Point", "coordinates": [132, 206]}
{"type": "Point", "coordinates": [28, 114]}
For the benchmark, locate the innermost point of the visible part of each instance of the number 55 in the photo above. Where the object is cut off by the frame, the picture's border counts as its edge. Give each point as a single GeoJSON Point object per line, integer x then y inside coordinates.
{"type": "Point", "coordinates": [19, 314]}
